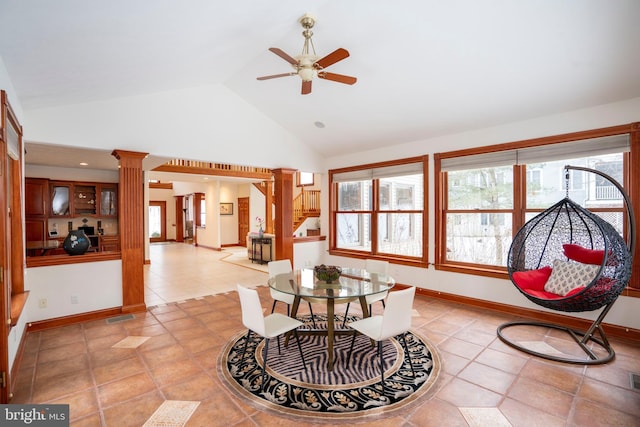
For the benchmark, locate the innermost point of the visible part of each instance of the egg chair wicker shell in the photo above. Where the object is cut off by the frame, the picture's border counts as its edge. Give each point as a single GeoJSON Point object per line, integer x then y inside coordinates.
{"type": "Point", "coordinates": [542, 239]}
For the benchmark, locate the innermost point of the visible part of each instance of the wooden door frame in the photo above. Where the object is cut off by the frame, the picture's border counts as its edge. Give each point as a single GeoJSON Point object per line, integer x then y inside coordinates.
{"type": "Point", "coordinates": [242, 240]}
{"type": "Point", "coordinates": [12, 295]}
{"type": "Point", "coordinates": [163, 220]}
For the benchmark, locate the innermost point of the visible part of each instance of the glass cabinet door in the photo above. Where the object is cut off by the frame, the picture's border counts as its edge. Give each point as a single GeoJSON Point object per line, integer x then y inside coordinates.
{"type": "Point", "coordinates": [60, 199]}
{"type": "Point", "coordinates": [108, 201]}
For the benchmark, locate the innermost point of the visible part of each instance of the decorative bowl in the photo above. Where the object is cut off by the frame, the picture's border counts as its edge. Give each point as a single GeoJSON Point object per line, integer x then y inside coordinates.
{"type": "Point", "coordinates": [327, 273]}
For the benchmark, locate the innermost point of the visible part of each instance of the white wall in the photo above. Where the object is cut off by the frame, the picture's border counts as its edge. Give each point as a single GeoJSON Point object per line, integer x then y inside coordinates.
{"type": "Point", "coordinates": [7, 85]}
{"type": "Point", "coordinates": [95, 286]}
{"type": "Point", "coordinates": [208, 123]}
{"type": "Point", "coordinates": [229, 223]}
{"type": "Point", "coordinates": [623, 313]}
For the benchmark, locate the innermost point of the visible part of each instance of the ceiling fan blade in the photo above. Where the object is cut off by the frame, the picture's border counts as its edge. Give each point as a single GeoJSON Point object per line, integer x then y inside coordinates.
{"type": "Point", "coordinates": [332, 58]}
{"type": "Point", "coordinates": [285, 56]}
{"type": "Point", "coordinates": [340, 78]}
{"type": "Point", "coordinates": [306, 87]}
{"type": "Point", "coordinates": [275, 76]}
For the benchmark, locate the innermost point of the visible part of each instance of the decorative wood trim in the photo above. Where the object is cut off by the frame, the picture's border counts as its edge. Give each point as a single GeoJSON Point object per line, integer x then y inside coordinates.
{"type": "Point", "coordinates": [214, 172]}
{"type": "Point", "coordinates": [74, 318]}
{"type": "Point", "coordinates": [569, 321]}
{"type": "Point", "coordinates": [305, 239]}
{"type": "Point", "coordinates": [283, 186]}
{"type": "Point", "coordinates": [268, 206]}
{"type": "Point", "coordinates": [545, 140]}
{"type": "Point", "coordinates": [131, 222]}
{"type": "Point", "coordinates": [49, 260]}
{"type": "Point", "coordinates": [161, 185]}
{"type": "Point", "coordinates": [179, 219]}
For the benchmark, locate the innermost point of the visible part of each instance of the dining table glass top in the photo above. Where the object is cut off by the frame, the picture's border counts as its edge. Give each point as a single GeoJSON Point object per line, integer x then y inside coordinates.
{"type": "Point", "coordinates": [352, 283]}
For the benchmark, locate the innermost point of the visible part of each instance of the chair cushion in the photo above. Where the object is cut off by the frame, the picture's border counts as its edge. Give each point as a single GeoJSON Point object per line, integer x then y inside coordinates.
{"type": "Point", "coordinates": [549, 295]}
{"type": "Point", "coordinates": [567, 276]}
{"type": "Point", "coordinates": [532, 279]}
{"type": "Point", "coordinates": [583, 255]}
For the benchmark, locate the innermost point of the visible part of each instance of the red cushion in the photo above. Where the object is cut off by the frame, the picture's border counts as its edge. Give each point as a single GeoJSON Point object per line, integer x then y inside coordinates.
{"type": "Point", "coordinates": [583, 255]}
{"type": "Point", "coordinates": [533, 280]}
{"type": "Point", "coordinates": [549, 295]}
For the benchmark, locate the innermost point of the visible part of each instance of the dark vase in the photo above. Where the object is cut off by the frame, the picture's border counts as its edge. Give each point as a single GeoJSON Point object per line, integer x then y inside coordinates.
{"type": "Point", "coordinates": [76, 243]}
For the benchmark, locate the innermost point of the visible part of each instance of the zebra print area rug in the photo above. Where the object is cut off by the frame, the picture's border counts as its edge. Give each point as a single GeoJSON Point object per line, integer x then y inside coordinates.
{"type": "Point", "coordinates": [318, 394]}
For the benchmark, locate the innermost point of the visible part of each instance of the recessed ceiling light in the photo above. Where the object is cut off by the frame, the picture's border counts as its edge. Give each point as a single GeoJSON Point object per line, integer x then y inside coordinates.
{"type": "Point", "coordinates": [84, 164]}
{"type": "Point", "coordinates": [319, 125]}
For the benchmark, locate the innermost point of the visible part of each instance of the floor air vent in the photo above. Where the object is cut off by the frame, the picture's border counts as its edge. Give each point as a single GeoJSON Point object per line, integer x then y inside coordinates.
{"type": "Point", "coordinates": [122, 318]}
{"type": "Point", "coordinates": [635, 381]}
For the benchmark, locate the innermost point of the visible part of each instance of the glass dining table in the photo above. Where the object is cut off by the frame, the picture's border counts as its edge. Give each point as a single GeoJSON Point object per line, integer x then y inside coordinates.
{"type": "Point", "coordinates": [354, 284]}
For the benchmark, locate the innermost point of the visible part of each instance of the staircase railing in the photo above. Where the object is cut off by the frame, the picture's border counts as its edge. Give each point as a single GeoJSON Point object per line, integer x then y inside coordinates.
{"type": "Point", "coordinates": [306, 204]}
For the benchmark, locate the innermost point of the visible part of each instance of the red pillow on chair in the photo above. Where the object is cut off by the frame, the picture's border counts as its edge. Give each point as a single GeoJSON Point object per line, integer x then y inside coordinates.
{"type": "Point", "coordinates": [583, 255]}
{"type": "Point", "coordinates": [532, 279]}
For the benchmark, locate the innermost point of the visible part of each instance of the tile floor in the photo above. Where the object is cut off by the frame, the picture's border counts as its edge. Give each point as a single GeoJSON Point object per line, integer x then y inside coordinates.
{"type": "Point", "coordinates": [482, 383]}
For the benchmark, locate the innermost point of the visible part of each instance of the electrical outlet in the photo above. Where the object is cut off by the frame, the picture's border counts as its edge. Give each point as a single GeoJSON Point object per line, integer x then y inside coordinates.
{"type": "Point", "coordinates": [42, 303]}
{"type": "Point", "coordinates": [74, 299]}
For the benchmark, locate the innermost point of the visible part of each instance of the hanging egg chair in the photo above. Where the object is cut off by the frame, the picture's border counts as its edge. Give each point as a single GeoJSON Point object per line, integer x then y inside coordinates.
{"type": "Point", "coordinates": [569, 259]}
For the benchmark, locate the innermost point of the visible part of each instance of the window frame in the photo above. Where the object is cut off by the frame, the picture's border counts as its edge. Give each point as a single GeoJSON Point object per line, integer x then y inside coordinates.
{"type": "Point", "coordinates": [631, 183]}
{"type": "Point", "coordinates": [375, 210]}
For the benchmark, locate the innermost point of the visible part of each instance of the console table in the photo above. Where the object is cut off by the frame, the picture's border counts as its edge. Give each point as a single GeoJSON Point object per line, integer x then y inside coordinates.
{"type": "Point", "coordinates": [261, 249]}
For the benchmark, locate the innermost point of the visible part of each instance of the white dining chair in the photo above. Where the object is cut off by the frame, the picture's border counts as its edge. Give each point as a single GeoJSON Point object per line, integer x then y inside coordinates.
{"type": "Point", "coordinates": [396, 321]}
{"type": "Point", "coordinates": [373, 266]}
{"type": "Point", "coordinates": [271, 326]}
{"type": "Point", "coordinates": [283, 266]}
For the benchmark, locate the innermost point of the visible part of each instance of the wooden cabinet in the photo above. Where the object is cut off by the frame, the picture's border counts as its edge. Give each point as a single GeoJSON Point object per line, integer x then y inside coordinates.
{"type": "Point", "coordinates": [84, 199]}
{"type": "Point", "coordinates": [36, 192]}
{"type": "Point", "coordinates": [77, 199]}
{"type": "Point", "coordinates": [109, 243]}
{"type": "Point", "coordinates": [36, 208]}
{"type": "Point", "coordinates": [35, 229]}
{"type": "Point", "coordinates": [60, 201]}
{"type": "Point", "coordinates": [108, 201]}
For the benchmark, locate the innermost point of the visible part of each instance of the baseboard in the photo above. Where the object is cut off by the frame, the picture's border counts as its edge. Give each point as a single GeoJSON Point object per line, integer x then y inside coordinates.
{"type": "Point", "coordinates": [17, 362]}
{"type": "Point", "coordinates": [616, 331]}
{"type": "Point", "coordinates": [74, 318]}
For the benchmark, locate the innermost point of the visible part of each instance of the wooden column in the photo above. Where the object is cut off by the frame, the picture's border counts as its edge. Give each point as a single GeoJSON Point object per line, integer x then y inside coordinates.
{"type": "Point", "coordinates": [179, 219]}
{"type": "Point", "coordinates": [131, 222]}
{"type": "Point", "coordinates": [283, 186]}
{"type": "Point", "coordinates": [268, 206]}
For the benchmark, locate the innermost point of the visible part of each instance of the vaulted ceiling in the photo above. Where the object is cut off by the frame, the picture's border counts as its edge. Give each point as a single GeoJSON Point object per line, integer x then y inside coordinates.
{"type": "Point", "coordinates": [424, 67]}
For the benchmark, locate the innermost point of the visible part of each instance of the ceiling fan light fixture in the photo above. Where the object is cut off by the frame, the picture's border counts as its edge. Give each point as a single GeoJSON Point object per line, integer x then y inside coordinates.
{"type": "Point", "coordinates": [308, 65]}
{"type": "Point", "coordinates": [307, 74]}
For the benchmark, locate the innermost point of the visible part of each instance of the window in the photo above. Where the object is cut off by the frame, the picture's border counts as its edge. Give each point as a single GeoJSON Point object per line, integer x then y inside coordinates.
{"type": "Point", "coordinates": [379, 210]}
{"type": "Point", "coordinates": [485, 195]}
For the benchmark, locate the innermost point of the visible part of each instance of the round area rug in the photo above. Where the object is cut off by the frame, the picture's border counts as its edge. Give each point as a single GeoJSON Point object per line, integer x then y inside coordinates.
{"type": "Point", "coordinates": [346, 391]}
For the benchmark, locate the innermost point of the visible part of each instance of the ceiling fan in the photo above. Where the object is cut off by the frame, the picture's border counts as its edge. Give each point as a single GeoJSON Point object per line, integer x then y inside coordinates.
{"type": "Point", "coordinates": [307, 65]}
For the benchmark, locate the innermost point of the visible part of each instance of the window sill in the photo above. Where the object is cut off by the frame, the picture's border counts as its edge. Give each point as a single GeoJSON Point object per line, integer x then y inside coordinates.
{"type": "Point", "coordinates": [497, 272]}
{"type": "Point", "coordinates": [411, 262]}
{"type": "Point", "coordinates": [18, 302]}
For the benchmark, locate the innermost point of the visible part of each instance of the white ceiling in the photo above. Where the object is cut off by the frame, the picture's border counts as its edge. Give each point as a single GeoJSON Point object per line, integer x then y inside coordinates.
{"type": "Point", "coordinates": [425, 67]}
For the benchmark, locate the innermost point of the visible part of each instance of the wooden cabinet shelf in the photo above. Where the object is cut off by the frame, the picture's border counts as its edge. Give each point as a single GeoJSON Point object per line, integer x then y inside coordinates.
{"type": "Point", "coordinates": [84, 199]}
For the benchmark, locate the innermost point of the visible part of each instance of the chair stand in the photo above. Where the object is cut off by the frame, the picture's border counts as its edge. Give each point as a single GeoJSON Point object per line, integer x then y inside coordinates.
{"type": "Point", "coordinates": [581, 338]}
{"type": "Point", "coordinates": [265, 353]}
{"type": "Point", "coordinates": [406, 352]}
